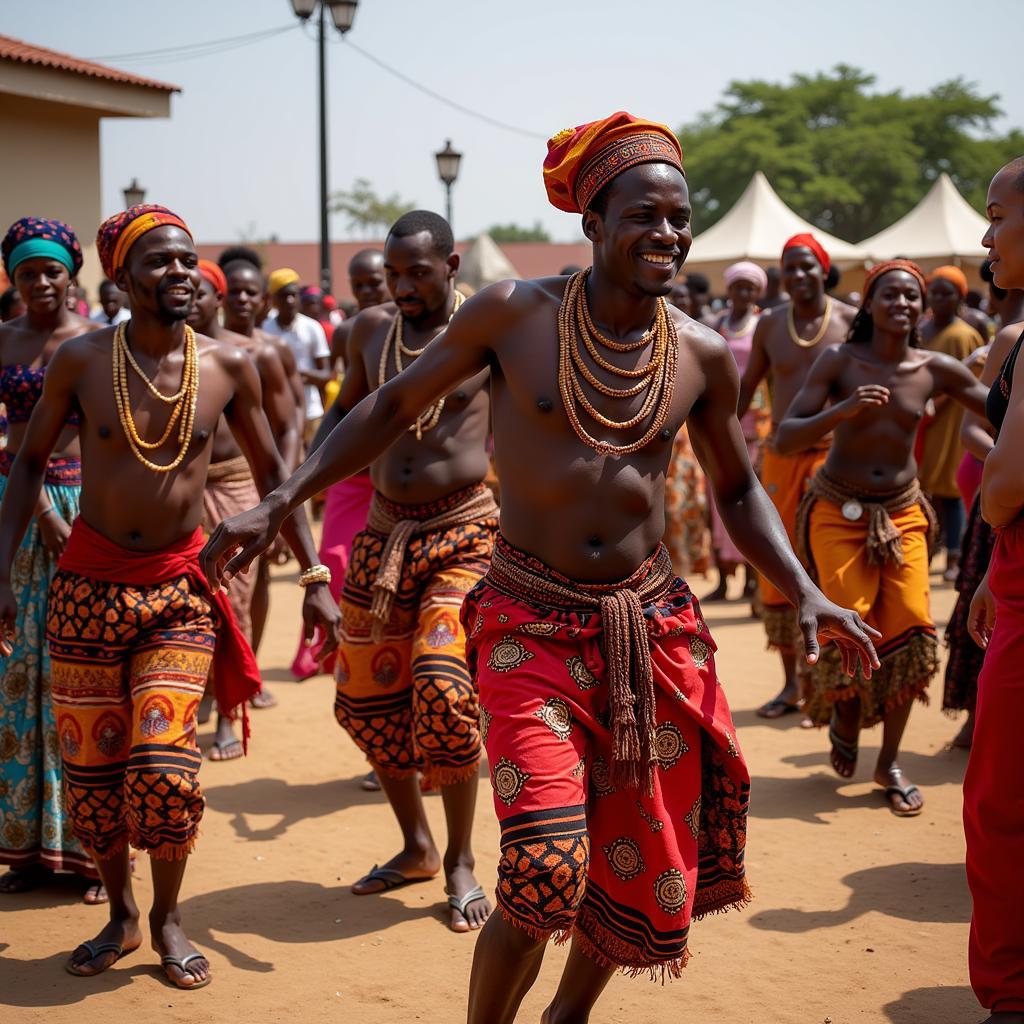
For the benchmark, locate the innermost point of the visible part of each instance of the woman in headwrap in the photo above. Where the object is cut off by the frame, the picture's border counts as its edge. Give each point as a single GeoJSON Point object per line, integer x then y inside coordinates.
{"type": "Point", "coordinates": [864, 524]}
{"type": "Point", "coordinates": [41, 257]}
{"type": "Point", "coordinates": [744, 282]}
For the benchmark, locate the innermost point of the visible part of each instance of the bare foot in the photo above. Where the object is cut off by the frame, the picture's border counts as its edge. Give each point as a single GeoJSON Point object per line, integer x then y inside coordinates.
{"type": "Point", "coordinates": [405, 867]}
{"type": "Point", "coordinates": [263, 699]}
{"type": "Point", "coordinates": [785, 702]}
{"type": "Point", "coordinates": [95, 894]}
{"type": "Point", "coordinates": [169, 940]}
{"type": "Point", "coordinates": [905, 800]}
{"type": "Point", "coordinates": [844, 746]}
{"type": "Point", "coordinates": [964, 738]}
{"type": "Point", "coordinates": [460, 883]}
{"type": "Point", "coordinates": [121, 932]}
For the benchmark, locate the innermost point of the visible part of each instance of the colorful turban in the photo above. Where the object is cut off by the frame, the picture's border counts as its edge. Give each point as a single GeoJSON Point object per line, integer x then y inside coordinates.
{"type": "Point", "coordinates": [746, 271]}
{"type": "Point", "coordinates": [954, 275]}
{"type": "Point", "coordinates": [884, 268]}
{"type": "Point", "coordinates": [34, 237]}
{"type": "Point", "coordinates": [119, 233]}
{"type": "Point", "coordinates": [214, 275]}
{"type": "Point", "coordinates": [281, 279]}
{"type": "Point", "coordinates": [311, 291]}
{"type": "Point", "coordinates": [807, 241]}
{"type": "Point", "coordinates": [582, 160]}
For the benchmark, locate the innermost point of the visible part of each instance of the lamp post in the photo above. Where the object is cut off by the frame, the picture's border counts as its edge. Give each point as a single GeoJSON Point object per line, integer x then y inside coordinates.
{"type": "Point", "coordinates": [343, 13]}
{"type": "Point", "coordinates": [448, 160]}
{"type": "Point", "coordinates": [134, 194]}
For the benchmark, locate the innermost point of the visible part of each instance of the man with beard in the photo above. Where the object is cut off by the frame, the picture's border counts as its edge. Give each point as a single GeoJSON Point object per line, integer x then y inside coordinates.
{"type": "Point", "coordinates": [787, 342]}
{"type": "Point", "coordinates": [133, 626]}
{"type": "Point", "coordinates": [620, 787]}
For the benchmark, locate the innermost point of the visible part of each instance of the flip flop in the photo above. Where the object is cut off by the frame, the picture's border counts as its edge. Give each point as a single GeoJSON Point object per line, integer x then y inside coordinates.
{"type": "Point", "coordinates": [369, 783]}
{"type": "Point", "coordinates": [847, 750]}
{"type": "Point", "coordinates": [389, 879]}
{"type": "Point", "coordinates": [902, 792]}
{"type": "Point", "coordinates": [784, 706]}
{"type": "Point", "coordinates": [182, 964]}
{"type": "Point", "coordinates": [263, 700]}
{"type": "Point", "coordinates": [95, 949]}
{"type": "Point", "coordinates": [460, 904]}
{"type": "Point", "coordinates": [222, 749]}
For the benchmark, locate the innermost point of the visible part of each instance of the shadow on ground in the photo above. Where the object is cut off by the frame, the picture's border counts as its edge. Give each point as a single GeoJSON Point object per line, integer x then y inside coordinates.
{"type": "Point", "coordinates": [931, 1005]}
{"type": "Point", "coordinates": [924, 893]}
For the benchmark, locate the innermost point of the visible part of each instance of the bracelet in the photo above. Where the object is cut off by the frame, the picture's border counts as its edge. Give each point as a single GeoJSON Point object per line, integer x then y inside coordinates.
{"type": "Point", "coordinates": [314, 574]}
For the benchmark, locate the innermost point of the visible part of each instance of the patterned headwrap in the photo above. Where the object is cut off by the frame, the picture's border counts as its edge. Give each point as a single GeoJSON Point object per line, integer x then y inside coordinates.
{"type": "Point", "coordinates": [119, 233]}
{"type": "Point", "coordinates": [582, 160]}
{"type": "Point", "coordinates": [214, 275]}
{"type": "Point", "coordinates": [806, 240]}
{"type": "Point", "coordinates": [745, 270]}
{"type": "Point", "coordinates": [884, 268]}
{"type": "Point", "coordinates": [281, 278]}
{"type": "Point", "coordinates": [33, 237]}
{"type": "Point", "coordinates": [954, 275]}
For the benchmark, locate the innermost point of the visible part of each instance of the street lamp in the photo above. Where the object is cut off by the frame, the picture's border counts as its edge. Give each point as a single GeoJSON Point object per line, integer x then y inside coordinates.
{"type": "Point", "coordinates": [343, 13]}
{"type": "Point", "coordinates": [134, 194]}
{"type": "Point", "coordinates": [448, 160]}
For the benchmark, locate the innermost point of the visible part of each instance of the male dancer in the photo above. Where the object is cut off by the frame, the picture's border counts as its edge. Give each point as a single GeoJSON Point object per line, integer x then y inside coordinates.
{"type": "Point", "coordinates": [133, 627]}
{"type": "Point", "coordinates": [229, 484]}
{"type": "Point", "coordinates": [787, 341]}
{"type": "Point", "coordinates": [613, 757]}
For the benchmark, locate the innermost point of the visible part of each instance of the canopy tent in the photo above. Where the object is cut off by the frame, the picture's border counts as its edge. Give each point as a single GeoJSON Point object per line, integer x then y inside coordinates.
{"type": "Point", "coordinates": [943, 228]}
{"type": "Point", "coordinates": [483, 263]}
{"type": "Point", "coordinates": [755, 229]}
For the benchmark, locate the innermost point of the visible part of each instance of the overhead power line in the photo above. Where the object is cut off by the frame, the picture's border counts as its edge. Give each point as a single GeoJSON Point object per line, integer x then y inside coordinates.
{"type": "Point", "coordinates": [203, 49]}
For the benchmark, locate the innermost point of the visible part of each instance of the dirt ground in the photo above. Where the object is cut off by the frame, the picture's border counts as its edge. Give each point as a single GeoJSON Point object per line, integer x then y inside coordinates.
{"type": "Point", "coordinates": [858, 917]}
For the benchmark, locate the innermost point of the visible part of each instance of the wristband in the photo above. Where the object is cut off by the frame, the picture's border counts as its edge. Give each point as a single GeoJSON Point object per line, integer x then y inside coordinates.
{"type": "Point", "coordinates": [314, 574]}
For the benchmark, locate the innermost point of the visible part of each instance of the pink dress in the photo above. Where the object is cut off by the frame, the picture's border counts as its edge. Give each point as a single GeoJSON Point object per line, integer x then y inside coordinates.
{"type": "Point", "coordinates": [740, 346]}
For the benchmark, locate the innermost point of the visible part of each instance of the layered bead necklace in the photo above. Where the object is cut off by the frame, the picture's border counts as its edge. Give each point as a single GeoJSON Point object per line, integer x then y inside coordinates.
{"type": "Point", "coordinates": [184, 401]}
{"type": "Point", "coordinates": [657, 376]}
{"type": "Point", "coordinates": [810, 342]}
{"type": "Point", "coordinates": [427, 419]}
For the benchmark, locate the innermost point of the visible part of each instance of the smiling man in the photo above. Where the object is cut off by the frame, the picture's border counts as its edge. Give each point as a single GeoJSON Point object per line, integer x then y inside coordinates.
{"type": "Point", "coordinates": [787, 342]}
{"type": "Point", "coordinates": [133, 626]}
{"type": "Point", "coordinates": [617, 778]}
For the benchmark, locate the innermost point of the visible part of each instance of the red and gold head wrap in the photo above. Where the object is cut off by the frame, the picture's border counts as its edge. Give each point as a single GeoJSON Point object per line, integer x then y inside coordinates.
{"type": "Point", "coordinates": [879, 269]}
{"type": "Point", "coordinates": [582, 160]}
{"type": "Point", "coordinates": [214, 275]}
{"type": "Point", "coordinates": [119, 233]}
{"type": "Point", "coordinates": [954, 275]}
{"type": "Point", "coordinates": [805, 240]}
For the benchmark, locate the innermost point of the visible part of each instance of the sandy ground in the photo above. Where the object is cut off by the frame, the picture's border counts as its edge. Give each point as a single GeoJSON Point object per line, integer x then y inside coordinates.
{"type": "Point", "coordinates": [858, 916]}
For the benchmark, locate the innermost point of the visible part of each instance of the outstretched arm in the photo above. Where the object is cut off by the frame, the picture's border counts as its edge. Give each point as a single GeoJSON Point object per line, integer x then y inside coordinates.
{"type": "Point", "coordinates": [754, 524]}
{"type": "Point", "coordinates": [757, 367]}
{"type": "Point", "coordinates": [807, 419]}
{"type": "Point", "coordinates": [955, 380]}
{"type": "Point", "coordinates": [365, 433]}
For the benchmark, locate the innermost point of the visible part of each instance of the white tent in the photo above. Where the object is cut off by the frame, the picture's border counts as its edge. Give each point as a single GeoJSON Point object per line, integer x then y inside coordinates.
{"type": "Point", "coordinates": [484, 263]}
{"type": "Point", "coordinates": [756, 228]}
{"type": "Point", "coordinates": [942, 228]}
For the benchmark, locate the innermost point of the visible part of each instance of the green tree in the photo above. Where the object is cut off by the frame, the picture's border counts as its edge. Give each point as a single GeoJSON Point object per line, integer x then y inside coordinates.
{"type": "Point", "coordinates": [516, 233]}
{"type": "Point", "coordinates": [365, 210]}
{"type": "Point", "coordinates": [846, 158]}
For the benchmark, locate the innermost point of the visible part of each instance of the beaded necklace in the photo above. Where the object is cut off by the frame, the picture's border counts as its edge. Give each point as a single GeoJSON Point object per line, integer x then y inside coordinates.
{"type": "Point", "coordinates": [427, 419]}
{"type": "Point", "coordinates": [657, 375]}
{"type": "Point", "coordinates": [184, 401]}
{"type": "Point", "coordinates": [810, 342]}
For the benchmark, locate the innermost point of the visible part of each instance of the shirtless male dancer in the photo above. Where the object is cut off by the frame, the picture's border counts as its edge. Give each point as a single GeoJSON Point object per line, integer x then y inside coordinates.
{"type": "Point", "coordinates": [404, 693]}
{"type": "Point", "coordinates": [133, 626]}
{"type": "Point", "coordinates": [787, 342]}
{"type": "Point", "coordinates": [614, 762]}
{"type": "Point", "coordinates": [229, 484]}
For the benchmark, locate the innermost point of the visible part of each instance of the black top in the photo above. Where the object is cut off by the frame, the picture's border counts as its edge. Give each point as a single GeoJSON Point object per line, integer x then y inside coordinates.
{"type": "Point", "coordinates": [998, 400]}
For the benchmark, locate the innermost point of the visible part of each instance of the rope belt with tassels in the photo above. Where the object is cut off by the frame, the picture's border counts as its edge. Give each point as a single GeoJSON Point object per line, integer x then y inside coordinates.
{"type": "Point", "coordinates": [626, 647]}
{"type": "Point", "coordinates": [478, 506]}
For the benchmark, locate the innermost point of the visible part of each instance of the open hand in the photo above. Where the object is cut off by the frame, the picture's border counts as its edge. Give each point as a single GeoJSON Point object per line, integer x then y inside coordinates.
{"type": "Point", "coordinates": [54, 533]}
{"type": "Point", "coordinates": [321, 616]}
{"type": "Point", "coordinates": [865, 397]}
{"type": "Point", "coordinates": [237, 541]}
{"type": "Point", "coordinates": [819, 617]}
{"type": "Point", "coordinates": [982, 616]}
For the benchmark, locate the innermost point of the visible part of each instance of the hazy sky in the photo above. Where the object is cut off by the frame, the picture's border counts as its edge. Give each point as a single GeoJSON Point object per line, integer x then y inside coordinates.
{"type": "Point", "coordinates": [238, 155]}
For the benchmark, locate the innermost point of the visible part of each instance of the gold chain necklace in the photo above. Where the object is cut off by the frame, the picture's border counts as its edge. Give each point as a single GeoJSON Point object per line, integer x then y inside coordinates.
{"type": "Point", "coordinates": [658, 375]}
{"type": "Point", "coordinates": [810, 342]}
{"type": "Point", "coordinates": [184, 412]}
{"type": "Point", "coordinates": [427, 419]}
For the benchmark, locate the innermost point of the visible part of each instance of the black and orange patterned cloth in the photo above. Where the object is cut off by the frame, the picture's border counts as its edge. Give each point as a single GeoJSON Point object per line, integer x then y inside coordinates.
{"type": "Point", "coordinates": [621, 872]}
{"type": "Point", "coordinates": [408, 701]}
{"type": "Point", "coordinates": [128, 668]}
